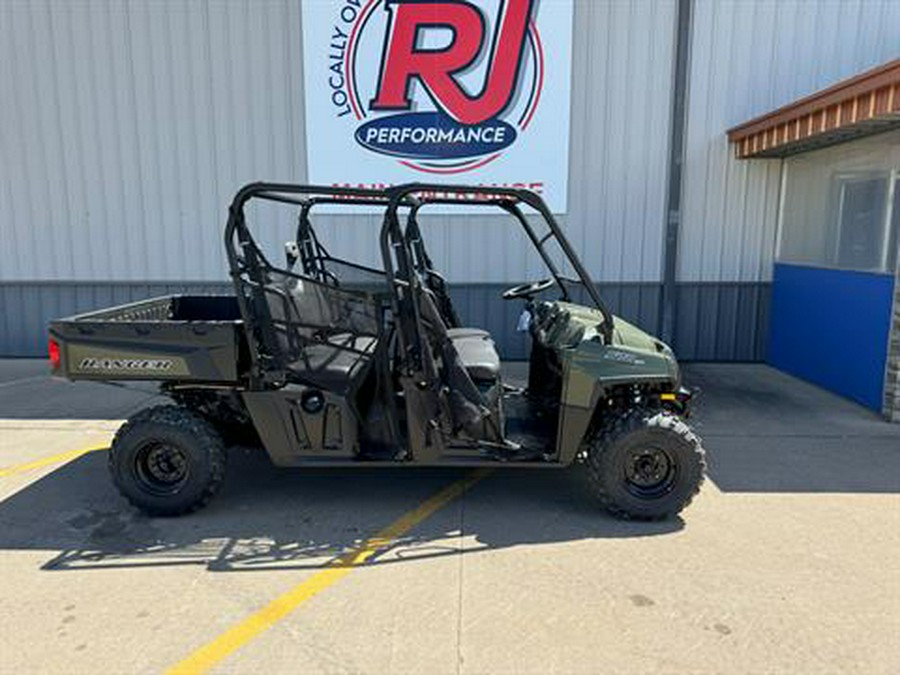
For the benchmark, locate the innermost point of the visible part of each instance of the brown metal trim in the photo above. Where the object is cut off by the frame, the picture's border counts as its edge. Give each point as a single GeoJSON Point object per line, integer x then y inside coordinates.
{"type": "Point", "coordinates": [884, 76]}
{"type": "Point", "coordinates": [861, 100]}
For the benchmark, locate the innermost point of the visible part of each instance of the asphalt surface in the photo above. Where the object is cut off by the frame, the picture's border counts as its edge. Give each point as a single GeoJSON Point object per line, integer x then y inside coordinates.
{"type": "Point", "coordinates": [787, 562]}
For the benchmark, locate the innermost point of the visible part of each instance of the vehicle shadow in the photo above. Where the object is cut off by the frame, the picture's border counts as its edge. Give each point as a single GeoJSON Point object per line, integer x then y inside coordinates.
{"type": "Point", "coordinates": [275, 519]}
{"type": "Point", "coordinates": [764, 432]}
{"type": "Point", "coordinates": [35, 395]}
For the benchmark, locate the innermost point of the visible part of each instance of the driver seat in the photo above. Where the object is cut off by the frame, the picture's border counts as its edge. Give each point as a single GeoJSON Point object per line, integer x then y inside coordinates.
{"type": "Point", "coordinates": [470, 373]}
{"type": "Point", "coordinates": [461, 333]}
{"type": "Point", "coordinates": [475, 346]}
{"type": "Point", "coordinates": [477, 352]}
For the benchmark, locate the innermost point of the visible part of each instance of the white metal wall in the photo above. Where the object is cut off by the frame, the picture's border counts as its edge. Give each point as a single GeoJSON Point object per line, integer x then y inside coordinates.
{"type": "Point", "coordinates": [127, 125]}
{"type": "Point", "coordinates": [125, 128]}
{"type": "Point", "coordinates": [747, 59]}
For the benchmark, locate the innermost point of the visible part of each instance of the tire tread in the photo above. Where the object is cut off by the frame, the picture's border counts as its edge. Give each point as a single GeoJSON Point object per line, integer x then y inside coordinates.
{"type": "Point", "coordinates": [206, 437]}
{"type": "Point", "coordinates": [635, 420]}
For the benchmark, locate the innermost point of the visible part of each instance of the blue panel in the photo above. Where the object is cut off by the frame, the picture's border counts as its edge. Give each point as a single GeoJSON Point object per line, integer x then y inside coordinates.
{"type": "Point", "coordinates": [831, 327]}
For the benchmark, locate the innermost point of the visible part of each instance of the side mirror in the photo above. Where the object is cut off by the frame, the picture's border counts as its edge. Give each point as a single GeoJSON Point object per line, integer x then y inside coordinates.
{"type": "Point", "coordinates": [291, 253]}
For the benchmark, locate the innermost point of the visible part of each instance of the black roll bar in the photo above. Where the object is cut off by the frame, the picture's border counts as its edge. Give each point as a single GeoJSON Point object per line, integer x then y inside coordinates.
{"type": "Point", "coordinates": [307, 237]}
{"type": "Point", "coordinates": [507, 199]}
{"type": "Point", "coordinates": [244, 256]}
{"type": "Point", "coordinates": [278, 192]}
{"type": "Point", "coordinates": [306, 205]}
{"type": "Point", "coordinates": [414, 234]}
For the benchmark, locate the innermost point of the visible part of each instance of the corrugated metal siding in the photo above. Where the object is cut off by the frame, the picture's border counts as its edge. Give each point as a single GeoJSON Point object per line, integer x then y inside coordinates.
{"type": "Point", "coordinates": [747, 59]}
{"type": "Point", "coordinates": [732, 318]}
{"type": "Point", "coordinates": [126, 127]}
{"type": "Point", "coordinates": [726, 321]}
{"type": "Point", "coordinates": [28, 307]}
{"type": "Point", "coordinates": [622, 73]}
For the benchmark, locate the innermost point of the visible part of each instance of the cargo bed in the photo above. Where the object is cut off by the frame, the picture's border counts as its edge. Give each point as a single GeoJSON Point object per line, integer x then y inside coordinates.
{"type": "Point", "coordinates": [189, 338]}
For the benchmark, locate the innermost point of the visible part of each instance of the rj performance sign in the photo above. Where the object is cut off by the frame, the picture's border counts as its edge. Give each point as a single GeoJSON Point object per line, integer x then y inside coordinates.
{"type": "Point", "coordinates": [453, 91]}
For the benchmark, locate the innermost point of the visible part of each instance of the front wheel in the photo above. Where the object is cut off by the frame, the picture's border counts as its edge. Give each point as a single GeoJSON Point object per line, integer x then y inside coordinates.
{"type": "Point", "coordinates": [167, 461]}
{"type": "Point", "coordinates": [647, 465]}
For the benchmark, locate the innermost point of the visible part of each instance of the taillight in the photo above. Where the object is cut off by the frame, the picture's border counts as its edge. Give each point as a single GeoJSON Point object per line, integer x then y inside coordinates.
{"type": "Point", "coordinates": [53, 352]}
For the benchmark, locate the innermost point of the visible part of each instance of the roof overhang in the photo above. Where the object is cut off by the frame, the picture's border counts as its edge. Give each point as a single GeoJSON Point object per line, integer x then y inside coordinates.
{"type": "Point", "coordinates": [866, 104]}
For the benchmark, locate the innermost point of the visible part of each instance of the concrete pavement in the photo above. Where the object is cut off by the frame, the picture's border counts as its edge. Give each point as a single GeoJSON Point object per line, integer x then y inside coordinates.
{"type": "Point", "coordinates": [786, 563]}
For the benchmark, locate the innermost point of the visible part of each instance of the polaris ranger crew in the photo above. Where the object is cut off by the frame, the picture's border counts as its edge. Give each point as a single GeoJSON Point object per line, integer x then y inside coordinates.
{"type": "Point", "coordinates": [338, 363]}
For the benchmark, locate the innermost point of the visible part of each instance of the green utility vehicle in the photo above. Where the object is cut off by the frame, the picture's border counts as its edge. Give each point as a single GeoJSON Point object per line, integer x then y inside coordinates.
{"type": "Point", "coordinates": [329, 362]}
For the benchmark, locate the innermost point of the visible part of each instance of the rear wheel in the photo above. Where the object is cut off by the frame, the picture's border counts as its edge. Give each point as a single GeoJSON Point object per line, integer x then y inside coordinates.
{"type": "Point", "coordinates": [648, 465]}
{"type": "Point", "coordinates": [167, 461]}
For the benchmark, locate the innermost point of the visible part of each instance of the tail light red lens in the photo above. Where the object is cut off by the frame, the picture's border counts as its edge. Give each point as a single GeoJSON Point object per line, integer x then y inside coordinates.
{"type": "Point", "coordinates": [53, 352]}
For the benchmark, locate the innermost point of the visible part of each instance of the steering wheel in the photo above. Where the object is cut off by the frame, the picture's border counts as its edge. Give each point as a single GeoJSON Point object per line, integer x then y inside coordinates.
{"type": "Point", "coordinates": [528, 289]}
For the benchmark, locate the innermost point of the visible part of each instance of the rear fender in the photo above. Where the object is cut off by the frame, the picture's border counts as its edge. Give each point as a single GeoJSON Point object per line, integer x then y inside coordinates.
{"type": "Point", "coordinates": [590, 371]}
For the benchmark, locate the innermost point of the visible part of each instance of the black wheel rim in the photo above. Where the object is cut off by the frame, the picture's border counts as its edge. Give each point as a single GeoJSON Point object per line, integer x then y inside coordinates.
{"type": "Point", "coordinates": [650, 472]}
{"type": "Point", "coordinates": [161, 468]}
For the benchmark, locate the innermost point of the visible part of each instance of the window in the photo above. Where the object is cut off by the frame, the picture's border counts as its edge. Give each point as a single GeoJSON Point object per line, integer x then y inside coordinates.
{"type": "Point", "coordinates": [861, 231]}
{"type": "Point", "coordinates": [841, 206]}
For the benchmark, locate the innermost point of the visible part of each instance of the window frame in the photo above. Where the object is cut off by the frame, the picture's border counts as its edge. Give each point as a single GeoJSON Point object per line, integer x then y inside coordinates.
{"type": "Point", "coordinates": [842, 172]}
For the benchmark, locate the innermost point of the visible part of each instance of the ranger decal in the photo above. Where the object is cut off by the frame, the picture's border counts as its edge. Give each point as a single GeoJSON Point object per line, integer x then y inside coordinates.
{"type": "Point", "coordinates": [91, 363]}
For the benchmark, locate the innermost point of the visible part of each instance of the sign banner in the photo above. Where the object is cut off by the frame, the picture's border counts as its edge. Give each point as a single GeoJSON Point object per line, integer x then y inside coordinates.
{"type": "Point", "coordinates": [452, 91]}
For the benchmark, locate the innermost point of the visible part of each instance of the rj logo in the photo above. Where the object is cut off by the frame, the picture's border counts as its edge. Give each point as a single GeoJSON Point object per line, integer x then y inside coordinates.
{"type": "Point", "coordinates": [404, 58]}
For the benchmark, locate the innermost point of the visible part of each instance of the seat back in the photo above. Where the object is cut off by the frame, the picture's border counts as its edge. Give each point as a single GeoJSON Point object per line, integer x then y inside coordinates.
{"type": "Point", "coordinates": [318, 333]}
{"type": "Point", "coordinates": [306, 312]}
{"type": "Point", "coordinates": [470, 410]}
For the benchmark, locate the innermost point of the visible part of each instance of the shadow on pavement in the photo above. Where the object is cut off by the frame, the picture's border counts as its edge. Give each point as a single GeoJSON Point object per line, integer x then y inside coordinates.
{"type": "Point", "coordinates": [765, 431]}
{"type": "Point", "coordinates": [41, 397]}
{"type": "Point", "coordinates": [272, 519]}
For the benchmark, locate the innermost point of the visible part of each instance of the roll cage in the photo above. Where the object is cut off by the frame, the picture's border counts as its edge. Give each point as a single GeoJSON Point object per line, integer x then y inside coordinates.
{"type": "Point", "coordinates": [276, 327]}
{"type": "Point", "coordinates": [316, 260]}
{"type": "Point", "coordinates": [314, 257]}
{"type": "Point", "coordinates": [509, 200]}
{"type": "Point", "coordinates": [403, 254]}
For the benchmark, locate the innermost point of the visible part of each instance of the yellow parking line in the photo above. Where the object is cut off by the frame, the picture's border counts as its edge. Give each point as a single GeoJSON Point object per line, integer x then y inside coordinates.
{"type": "Point", "coordinates": [240, 634]}
{"type": "Point", "coordinates": [46, 461]}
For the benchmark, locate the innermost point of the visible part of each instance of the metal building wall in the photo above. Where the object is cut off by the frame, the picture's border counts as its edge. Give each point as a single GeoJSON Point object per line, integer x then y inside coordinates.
{"type": "Point", "coordinates": [126, 127]}
{"type": "Point", "coordinates": [129, 125]}
{"type": "Point", "coordinates": [748, 58]}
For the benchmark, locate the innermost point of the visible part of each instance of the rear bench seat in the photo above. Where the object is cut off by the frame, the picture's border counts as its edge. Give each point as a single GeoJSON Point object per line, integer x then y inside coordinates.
{"type": "Point", "coordinates": [336, 364]}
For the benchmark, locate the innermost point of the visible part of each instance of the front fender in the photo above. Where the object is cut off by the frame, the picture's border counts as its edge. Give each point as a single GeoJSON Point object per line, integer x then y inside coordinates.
{"type": "Point", "coordinates": [590, 371]}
